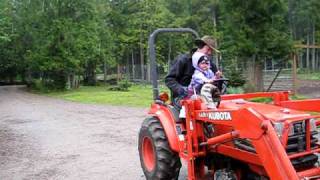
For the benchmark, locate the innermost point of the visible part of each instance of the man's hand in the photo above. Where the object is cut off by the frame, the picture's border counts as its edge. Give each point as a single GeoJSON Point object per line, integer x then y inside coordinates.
{"type": "Point", "coordinates": [183, 91]}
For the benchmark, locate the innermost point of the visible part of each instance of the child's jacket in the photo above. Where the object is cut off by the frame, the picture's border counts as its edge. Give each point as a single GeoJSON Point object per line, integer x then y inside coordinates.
{"type": "Point", "coordinates": [199, 76]}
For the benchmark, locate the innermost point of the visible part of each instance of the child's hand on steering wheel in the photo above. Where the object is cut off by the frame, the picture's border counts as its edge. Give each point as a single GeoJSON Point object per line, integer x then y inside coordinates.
{"type": "Point", "coordinates": [218, 74]}
{"type": "Point", "coordinates": [210, 81]}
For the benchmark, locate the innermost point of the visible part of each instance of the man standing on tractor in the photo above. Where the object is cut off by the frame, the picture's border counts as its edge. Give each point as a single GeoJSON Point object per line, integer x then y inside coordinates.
{"type": "Point", "coordinates": [181, 72]}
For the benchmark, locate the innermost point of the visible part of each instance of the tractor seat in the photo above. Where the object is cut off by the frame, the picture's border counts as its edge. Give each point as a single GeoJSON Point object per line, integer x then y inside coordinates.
{"type": "Point", "coordinates": [175, 113]}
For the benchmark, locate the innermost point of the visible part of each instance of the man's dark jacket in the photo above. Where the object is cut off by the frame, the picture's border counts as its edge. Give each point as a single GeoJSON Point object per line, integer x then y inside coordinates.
{"type": "Point", "coordinates": [180, 74]}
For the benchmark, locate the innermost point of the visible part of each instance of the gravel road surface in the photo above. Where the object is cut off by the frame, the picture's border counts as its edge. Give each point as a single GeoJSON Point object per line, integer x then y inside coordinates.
{"type": "Point", "coordinates": [47, 138]}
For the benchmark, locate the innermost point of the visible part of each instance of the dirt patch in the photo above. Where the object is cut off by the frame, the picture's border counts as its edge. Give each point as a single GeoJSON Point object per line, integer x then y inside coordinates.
{"type": "Point", "coordinates": [309, 88]}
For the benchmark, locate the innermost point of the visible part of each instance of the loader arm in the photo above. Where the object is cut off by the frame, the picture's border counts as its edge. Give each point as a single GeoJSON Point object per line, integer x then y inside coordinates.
{"type": "Point", "coordinates": [281, 98]}
{"type": "Point", "coordinates": [303, 105]}
{"type": "Point", "coordinates": [255, 127]}
{"type": "Point", "coordinates": [247, 123]}
{"type": "Point", "coordinates": [269, 148]}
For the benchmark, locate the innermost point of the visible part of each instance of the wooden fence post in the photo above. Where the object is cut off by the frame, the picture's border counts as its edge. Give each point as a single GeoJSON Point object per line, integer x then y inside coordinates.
{"type": "Point", "coordinates": [294, 73]}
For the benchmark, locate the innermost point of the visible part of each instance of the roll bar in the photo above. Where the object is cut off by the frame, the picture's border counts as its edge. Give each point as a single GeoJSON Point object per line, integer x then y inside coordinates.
{"type": "Point", "coordinates": [152, 53]}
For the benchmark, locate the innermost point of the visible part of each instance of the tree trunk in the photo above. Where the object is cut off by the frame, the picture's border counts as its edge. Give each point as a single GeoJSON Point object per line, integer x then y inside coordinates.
{"type": "Point", "coordinates": [133, 67]}
{"type": "Point", "coordinates": [259, 76]}
{"type": "Point", "coordinates": [78, 81]}
{"type": "Point", "coordinates": [308, 52]}
{"type": "Point", "coordinates": [294, 72]}
{"type": "Point", "coordinates": [214, 21]}
{"type": "Point", "coordinates": [105, 71]}
{"type": "Point", "coordinates": [169, 53]}
{"type": "Point", "coordinates": [28, 76]}
{"type": "Point", "coordinates": [291, 21]}
{"type": "Point", "coordinates": [68, 84]}
{"type": "Point", "coordinates": [118, 73]}
{"type": "Point", "coordinates": [250, 77]}
{"type": "Point", "coordinates": [300, 61]}
{"type": "Point", "coordinates": [317, 59]}
{"type": "Point", "coordinates": [73, 81]}
{"type": "Point", "coordinates": [141, 56]}
{"type": "Point", "coordinates": [149, 72]}
{"type": "Point", "coordinates": [128, 65]}
{"type": "Point", "coordinates": [255, 74]}
{"type": "Point", "coordinates": [90, 74]}
{"type": "Point", "coordinates": [313, 49]}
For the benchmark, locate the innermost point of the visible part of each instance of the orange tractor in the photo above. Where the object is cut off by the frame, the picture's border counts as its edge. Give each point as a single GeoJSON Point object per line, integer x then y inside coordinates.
{"type": "Point", "coordinates": [249, 140]}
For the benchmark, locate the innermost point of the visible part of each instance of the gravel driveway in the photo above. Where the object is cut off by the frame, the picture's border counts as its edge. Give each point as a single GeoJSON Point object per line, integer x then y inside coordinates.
{"type": "Point", "coordinates": [47, 138]}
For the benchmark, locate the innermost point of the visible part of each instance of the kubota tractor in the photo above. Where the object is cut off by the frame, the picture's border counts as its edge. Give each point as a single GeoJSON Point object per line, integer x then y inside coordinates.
{"type": "Point", "coordinates": [248, 140]}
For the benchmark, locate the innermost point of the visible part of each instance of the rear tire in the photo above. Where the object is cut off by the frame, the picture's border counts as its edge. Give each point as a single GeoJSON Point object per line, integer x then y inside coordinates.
{"type": "Point", "coordinates": [157, 159]}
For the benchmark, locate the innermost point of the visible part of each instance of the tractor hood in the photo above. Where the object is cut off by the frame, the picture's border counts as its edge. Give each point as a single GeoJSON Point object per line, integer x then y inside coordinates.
{"type": "Point", "coordinates": [270, 111]}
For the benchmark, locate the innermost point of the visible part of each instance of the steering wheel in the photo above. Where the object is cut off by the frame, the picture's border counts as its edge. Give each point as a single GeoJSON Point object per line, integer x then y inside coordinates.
{"type": "Point", "coordinates": [221, 84]}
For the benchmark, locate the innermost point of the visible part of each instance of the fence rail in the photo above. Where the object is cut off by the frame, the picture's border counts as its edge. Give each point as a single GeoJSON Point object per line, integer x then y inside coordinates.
{"type": "Point", "coordinates": [284, 81]}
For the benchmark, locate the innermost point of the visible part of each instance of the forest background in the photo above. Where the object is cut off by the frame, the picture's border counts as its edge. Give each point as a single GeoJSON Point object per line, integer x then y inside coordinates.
{"type": "Point", "coordinates": [61, 43]}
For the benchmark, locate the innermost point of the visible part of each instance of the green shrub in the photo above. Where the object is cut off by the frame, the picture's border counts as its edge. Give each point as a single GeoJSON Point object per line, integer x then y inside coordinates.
{"type": "Point", "coordinates": [53, 83]}
{"type": "Point", "coordinates": [261, 100]}
{"type": "Point", "coordinates": [39, 85]}
{"type": "Point", "coordinates": [235, 90]}
{"type": "Point", "coordinates": [297, 97]}
{"type": "Point", "coordinates": [57, 81]}
{"type": "Point", "coordinates": [122, 85]}
{"type": "Point", "coordinates": [249, 87]}
{"type": "Point", "coordinates": [235, 76]}
{"type": "Point", "coordinates": [306, 74]}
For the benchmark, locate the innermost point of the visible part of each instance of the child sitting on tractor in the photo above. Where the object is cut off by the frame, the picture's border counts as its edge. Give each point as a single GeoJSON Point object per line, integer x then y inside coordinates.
{"type": "Point", "coordinates": [202, 81]}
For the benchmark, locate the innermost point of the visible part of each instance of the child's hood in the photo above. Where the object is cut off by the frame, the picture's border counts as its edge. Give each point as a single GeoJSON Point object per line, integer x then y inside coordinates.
{"type": "Point", "coordinates": [195, 59]}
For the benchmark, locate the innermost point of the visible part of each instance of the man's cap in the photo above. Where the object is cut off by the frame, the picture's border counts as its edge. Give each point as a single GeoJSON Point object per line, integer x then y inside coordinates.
{"type": "Point", "coordinates": [209, 41]}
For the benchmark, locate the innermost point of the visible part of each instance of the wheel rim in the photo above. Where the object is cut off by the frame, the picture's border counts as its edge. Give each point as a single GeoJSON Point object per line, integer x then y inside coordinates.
{"type": "Point", "coordinates": [148, 154]}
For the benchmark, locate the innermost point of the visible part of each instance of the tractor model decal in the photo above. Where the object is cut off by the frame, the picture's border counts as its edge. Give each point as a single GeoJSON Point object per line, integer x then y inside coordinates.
{"type": "Point", "coordinates": [216, 115]}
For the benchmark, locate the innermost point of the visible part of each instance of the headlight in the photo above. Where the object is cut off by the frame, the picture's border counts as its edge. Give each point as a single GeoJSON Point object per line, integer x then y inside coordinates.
{"type": "Point", "coordinates": [295, 128]}
{"type": "Point", "coordinates": [313, 126]}
{"type": "Point", "coordinates": [278, 127]}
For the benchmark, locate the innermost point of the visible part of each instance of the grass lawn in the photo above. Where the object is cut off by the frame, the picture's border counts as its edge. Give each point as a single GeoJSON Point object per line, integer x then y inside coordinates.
{"type": "Point", "coordinates": [309, 76]}
{"type": "Point", "coordinates": [137, 96]}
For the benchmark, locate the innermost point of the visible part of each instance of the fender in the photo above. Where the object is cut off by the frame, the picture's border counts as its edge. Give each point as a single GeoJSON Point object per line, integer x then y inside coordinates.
{"type": "Point", "coordinates": [169, 125]}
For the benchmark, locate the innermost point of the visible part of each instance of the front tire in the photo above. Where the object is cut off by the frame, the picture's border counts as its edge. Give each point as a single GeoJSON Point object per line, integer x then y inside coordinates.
{"type": "Point", "coordinates": [157, 159]}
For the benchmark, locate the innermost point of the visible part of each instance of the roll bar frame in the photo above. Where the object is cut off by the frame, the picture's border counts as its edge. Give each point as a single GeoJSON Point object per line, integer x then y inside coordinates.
{"type": "Point", "coordinates": [152, 53]}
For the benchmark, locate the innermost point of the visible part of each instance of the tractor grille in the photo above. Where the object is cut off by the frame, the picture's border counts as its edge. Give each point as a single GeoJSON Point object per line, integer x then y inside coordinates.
{"type": "Point", "coordinates": [297, 143]}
